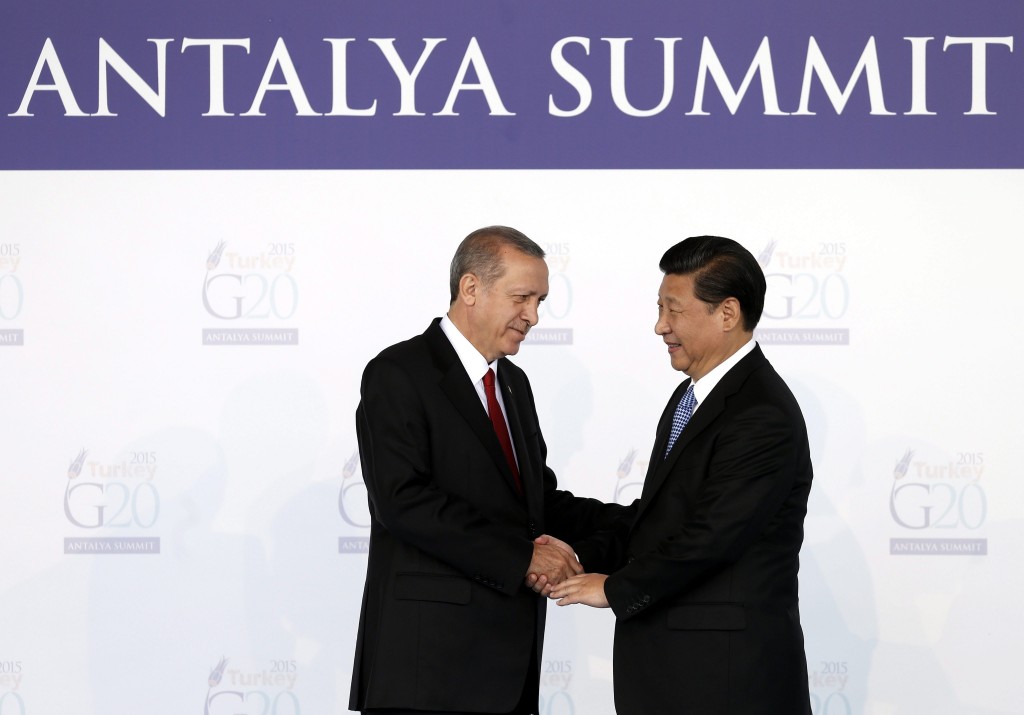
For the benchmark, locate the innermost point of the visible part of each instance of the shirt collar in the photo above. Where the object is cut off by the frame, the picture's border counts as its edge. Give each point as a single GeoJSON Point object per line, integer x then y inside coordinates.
{"type": "Point", "coordinates": [473, 362]}
{"type": "Point", "coordinates": [703, 387]}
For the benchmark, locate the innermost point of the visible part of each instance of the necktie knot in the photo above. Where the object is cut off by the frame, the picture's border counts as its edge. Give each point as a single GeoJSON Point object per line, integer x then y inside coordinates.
{"type": "Point", "coordinates": [684, 410]}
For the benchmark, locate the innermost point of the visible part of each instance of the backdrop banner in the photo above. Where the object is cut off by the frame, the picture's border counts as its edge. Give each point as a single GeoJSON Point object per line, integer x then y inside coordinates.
{"type": "Point", "coordinates": [214, 214]}
{"type": "Point", "coordinates": [463, 84]}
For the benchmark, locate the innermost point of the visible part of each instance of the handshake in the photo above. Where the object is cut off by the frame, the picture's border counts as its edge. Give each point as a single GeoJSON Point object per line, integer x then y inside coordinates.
{"type": "Point", "coordinates": [553, 561]}
{"type": "Point", "coordinates": [555, 572]}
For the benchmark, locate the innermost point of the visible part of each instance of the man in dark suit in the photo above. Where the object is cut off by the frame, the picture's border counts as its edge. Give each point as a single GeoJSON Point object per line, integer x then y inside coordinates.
{"type": "Point", "coordinates": [462, 500]}
{"type": "Point", "coordinates": [703, 578]}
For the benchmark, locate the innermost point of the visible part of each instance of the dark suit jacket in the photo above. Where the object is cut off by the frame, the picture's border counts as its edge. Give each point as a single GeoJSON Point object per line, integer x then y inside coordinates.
{"type": "Point", "coordinates": [446, 621]}
{"type": "Point", "coordinates": [705, 590]}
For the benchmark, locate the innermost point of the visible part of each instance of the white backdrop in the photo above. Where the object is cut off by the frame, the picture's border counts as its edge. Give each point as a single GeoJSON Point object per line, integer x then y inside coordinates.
{"type": "Point", "coordinates": [220, 483]}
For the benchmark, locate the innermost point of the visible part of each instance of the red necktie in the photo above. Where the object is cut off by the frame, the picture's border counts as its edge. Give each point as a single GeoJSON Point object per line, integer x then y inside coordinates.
{"type": "Point", "coordinates": [500, 428]}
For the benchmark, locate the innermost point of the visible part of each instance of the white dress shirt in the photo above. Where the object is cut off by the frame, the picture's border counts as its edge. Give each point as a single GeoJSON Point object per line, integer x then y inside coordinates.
{"type": "Point", "coordinates": [703, 387]}
{"type": "Point", "coordinates": [476, 367]}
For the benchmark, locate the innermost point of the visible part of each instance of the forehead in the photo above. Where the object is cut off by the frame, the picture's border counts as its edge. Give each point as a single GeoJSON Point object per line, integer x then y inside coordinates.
{"type": "Point", "coordinates": [676, 289]}
{"type": "Point", "coordinates": [524, 271]}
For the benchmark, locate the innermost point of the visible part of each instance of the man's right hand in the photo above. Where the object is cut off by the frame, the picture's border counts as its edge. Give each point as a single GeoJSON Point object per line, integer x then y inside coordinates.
{"type": "Point", "coordinates": [553, 561]}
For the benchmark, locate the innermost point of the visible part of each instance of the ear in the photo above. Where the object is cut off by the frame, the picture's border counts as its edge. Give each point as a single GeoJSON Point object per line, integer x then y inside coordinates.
{"type": "Point", "coordinates": [732, 315]}
{"type": "Point", "coordinates": [469, 288]}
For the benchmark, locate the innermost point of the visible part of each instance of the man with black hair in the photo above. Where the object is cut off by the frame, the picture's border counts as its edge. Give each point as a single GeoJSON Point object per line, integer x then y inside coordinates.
{"type": "Point", "coordinates": [704, 575]}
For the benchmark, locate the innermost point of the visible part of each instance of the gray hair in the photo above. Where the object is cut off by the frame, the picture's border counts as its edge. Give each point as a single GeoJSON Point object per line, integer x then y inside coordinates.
{"type": "Point", "coordinates": [480, 254]}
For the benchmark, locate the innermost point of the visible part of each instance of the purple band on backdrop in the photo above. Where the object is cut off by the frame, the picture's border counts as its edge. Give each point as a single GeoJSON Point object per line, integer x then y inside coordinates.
{"type": "Point", "coordinates": [535, 84]}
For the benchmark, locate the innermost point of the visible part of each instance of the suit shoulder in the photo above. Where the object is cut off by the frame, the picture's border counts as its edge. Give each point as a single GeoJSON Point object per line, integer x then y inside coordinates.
{"type": "Point", "coordinates": [765, 386]}
{"type": "Point", "coordinates": [412, 355]}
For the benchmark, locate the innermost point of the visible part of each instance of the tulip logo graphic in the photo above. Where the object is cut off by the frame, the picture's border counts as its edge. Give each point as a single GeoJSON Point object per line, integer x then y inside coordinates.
{"type": "Point", "coordinates": [350, 466]}
{"type": "Point", "coordinates": [352, 506]}
{"type": "Point", "coordinates": [75, 468]}
{"type": "Point", "coordinates": [621, 485]}
{"type": "Point", "coordinates": [213, 260]}
{"type": "Point", "coordinates": [626, 465]}
{"type": "Point", "coordinates": [216, 675]}
{"type": "Point", "coordinates": [765, 256]}
{"type": "Point", "coordinates": [900, 470]}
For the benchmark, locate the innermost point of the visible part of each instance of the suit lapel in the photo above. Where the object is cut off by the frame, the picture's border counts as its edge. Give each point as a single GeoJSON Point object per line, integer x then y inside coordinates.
{"type": "Point", "coordinates": [455, 384]}
{"type": "Point", "coordinates": [658, 466]}
{"type": "Point", "coordinates": [665, 424]}
{"type": "Point", "coordinates": [709, 410]}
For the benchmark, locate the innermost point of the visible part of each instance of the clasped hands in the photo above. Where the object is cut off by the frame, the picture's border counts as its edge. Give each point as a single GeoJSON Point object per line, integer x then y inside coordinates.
{"type": "Point", "coordinates": [555, 572]}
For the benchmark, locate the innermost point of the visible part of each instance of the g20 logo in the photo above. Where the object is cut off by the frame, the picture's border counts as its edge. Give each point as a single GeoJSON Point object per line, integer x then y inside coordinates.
{"type": "Point", "coordinates": [938, 505]}
{"type": "Point", "coordinates": [230, 296]}
{"type": "Point", "coordinates": [806, 296]}
{"type": "Point", "coordinates": [88, 504]}
{"type": "Point", "coordinates": [92, 505]}
{"type": "Point", "coordinates": [252, 294]}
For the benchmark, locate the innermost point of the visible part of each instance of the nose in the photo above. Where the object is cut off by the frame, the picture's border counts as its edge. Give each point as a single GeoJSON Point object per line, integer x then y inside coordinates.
{"type": "Point", "coordinates": [531, 312]}
{"type": "Point", "coordinates": [661, 325]}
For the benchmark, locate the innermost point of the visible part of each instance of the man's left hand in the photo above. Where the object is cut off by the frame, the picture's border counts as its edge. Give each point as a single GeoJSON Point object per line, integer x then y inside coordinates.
{"type": "Point", "coordinates": [587, 589]}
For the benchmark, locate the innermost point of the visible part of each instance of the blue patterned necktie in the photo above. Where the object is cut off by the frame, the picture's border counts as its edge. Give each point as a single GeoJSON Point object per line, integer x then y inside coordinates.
{"type": "Point", "coordinates": [683, 412]}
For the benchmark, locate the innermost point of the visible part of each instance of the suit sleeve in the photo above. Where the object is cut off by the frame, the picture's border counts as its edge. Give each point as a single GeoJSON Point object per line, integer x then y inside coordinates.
{"type": "Point", "coordinates": [567, 516]}
{"type": "Point", "coordinates": [394, 444]}
{"type": "Point", "coordinates": [751, 473]}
